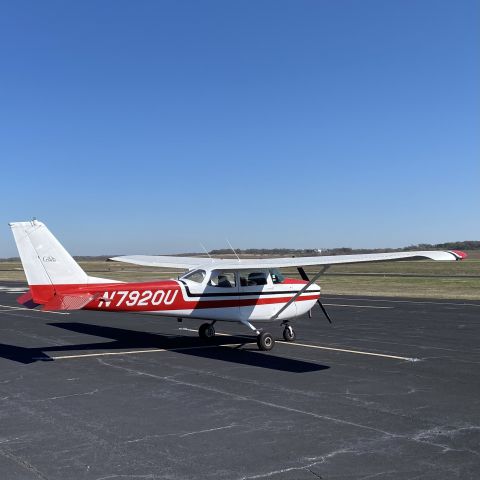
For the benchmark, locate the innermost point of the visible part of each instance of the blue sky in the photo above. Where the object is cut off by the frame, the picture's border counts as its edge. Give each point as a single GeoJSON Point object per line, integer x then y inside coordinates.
{"type": "Point", "coordinates": [151, 126]}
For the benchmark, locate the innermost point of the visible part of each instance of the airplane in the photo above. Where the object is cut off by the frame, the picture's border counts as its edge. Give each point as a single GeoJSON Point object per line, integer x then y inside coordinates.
{"type": "Point", "coordinates": [211, 289]}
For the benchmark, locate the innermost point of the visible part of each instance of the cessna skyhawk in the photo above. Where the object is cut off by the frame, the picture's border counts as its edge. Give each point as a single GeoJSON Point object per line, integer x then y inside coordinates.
{"type": "Point", "coordinates": [212, 289]}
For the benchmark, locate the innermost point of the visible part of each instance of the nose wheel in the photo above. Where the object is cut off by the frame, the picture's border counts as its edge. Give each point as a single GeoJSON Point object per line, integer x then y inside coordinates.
{"type": "Point", "coordinates": [289, 334]}
{"type": "Point", "coordinates": [206, 331]}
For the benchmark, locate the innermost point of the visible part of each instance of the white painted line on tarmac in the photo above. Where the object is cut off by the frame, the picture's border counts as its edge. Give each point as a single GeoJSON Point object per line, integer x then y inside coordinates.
{"type": "Point", "coordinates": [136, 352]}
{"type": "Point", "coordinates": [358, 352]}
{"type": "Point", "coordinates": [13, 289]}
{"type": "Point", "coordinates": [320, 347]}
{"type": "Point", "coordinates": [158, 350]}
{"type": "Point", "coordinates": [33, 310]}
{"type": "Point", "coordinates": [216, 333]}
{"type": "Point", "coordinates": [427, 302]}
{"type": "Point", "coordinates": [102, 354]}
{"type": "Point", "coordinates": [351, 305]}
{"type": "Point", "coordinates": [231, 345]}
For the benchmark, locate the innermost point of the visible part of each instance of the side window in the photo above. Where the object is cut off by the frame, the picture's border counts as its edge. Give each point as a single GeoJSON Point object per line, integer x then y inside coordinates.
{"type": "Point", "coordinates": [223, 279]}
{"type": "Point", "coordinates": [251, 278]}
{"type": "Point", "coordinates": [277, 277]}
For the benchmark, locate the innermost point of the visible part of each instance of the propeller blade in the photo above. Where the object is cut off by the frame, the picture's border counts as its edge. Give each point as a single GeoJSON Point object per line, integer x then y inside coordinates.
{"type": "Point", "coordinates": [324, 311]}
{"type": "Point", "coordinates": [304, 276]}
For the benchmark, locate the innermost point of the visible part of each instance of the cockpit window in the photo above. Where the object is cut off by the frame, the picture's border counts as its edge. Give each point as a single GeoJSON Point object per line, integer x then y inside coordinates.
{"type": "Point", "coordinates": [223, 279]}
{"type": "Point", "coordinates": [196, 276]}
{"type": "Point", "coordinates": [277, 277]}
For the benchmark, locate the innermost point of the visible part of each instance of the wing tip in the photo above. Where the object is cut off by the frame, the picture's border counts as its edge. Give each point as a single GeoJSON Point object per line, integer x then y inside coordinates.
{"type": "Point", "coordinates": [459, 255]}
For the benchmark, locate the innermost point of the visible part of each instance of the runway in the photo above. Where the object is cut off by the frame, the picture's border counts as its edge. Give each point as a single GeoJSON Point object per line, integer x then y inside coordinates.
{"type": "Point", "coordinates": [391, 391]}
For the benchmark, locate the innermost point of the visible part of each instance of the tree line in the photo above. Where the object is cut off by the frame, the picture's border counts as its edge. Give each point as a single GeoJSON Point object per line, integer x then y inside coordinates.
{"type": "Point", "coordinates": [464, 245]}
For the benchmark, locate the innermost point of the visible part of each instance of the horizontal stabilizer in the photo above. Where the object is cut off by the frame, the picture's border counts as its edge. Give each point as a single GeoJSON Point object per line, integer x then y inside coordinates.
{"type": "Point", "coordinates": [69, 301]}
{"type": "Point", "coordinates": [27, 300]}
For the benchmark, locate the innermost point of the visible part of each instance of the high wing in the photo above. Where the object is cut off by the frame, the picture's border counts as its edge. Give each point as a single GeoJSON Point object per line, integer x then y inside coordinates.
{"type": "Point", "coordinates": [196, 262]}
{"type": "Point", "coordinates": [165, 261]}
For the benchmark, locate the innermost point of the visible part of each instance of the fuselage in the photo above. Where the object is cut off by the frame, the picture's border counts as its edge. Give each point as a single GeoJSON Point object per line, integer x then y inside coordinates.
{"type": "Point", "coordinates": [228, 296]}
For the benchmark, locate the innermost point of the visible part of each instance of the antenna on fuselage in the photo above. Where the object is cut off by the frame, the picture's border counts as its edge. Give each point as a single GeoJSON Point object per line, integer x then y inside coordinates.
{"type": "Point", "coordinates": [205, 250]}
{"type": "Point", "coordinates": [233, 250]}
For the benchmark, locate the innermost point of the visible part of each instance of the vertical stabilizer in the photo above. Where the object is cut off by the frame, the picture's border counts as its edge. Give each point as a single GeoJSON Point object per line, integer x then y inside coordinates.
{"type": "Point", "coordinates": [45, 262]}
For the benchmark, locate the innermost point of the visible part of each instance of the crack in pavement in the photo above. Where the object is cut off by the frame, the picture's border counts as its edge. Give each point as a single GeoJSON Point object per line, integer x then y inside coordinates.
{"type": "Point", "coordinates": [22, 462]}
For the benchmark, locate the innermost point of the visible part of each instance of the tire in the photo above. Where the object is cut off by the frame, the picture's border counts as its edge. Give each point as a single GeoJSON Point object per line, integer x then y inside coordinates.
{"type": "Point", "coordinates": [206, 331]}
{"type": "Point", "coordinates": [289, 334]}
{"type": "Point", "coordinates": [265, 341]}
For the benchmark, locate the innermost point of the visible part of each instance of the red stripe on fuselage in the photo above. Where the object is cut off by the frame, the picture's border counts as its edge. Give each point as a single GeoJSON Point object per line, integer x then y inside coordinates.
{"type": "Point", "coordinates": [293, 281]}
{"type": "Point", "coordinates": [246, 302]}
{"type": "Point", "coordinates": [140, 296]}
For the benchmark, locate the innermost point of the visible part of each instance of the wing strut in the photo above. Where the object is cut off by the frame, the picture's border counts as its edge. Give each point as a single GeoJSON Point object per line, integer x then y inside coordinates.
{"type": "Point", "coordinates": [302, 290]}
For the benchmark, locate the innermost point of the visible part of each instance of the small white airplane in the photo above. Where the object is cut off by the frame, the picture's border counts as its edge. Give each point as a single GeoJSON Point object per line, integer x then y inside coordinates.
{"type": "Point", "coordinates": [212, 289]}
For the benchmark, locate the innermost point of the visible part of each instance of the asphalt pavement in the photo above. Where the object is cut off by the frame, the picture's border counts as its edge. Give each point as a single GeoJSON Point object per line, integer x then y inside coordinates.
{"type": "Point", "coordinates": [390, 391]}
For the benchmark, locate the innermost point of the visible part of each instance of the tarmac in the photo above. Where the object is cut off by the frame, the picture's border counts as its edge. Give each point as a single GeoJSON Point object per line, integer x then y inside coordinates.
{"type": "Point", "coordinates": [390, 391]}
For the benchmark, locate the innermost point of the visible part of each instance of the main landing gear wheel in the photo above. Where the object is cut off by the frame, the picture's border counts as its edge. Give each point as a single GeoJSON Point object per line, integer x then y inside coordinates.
{"type": "Point", "coordinates": [289, 334]}
{"type": "Point", "coordinates": [206, 331]}
{"type": "Point", "coordinates": [265, 341]}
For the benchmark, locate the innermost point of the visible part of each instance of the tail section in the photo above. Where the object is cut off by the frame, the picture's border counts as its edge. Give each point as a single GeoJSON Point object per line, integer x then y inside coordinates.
{"type": "Point", "coordinates": [46, 263]}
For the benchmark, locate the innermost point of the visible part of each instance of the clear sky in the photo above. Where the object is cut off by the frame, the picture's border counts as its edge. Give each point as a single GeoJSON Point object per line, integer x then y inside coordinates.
{"type": "Point", "coordinates": [151, 126]}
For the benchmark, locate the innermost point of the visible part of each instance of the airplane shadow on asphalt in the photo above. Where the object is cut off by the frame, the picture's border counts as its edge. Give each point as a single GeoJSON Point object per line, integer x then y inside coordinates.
{"type": "Point", "coordinates": [123, 339]}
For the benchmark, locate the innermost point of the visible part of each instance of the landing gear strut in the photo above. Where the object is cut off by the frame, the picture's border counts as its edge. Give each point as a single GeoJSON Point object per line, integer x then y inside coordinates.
{"type": "Point", "coordinates": [289, 333]}
{"type": "Point", "coordinates": [265, 340]}
{"type": "Point", "coordinates": [206, 331]}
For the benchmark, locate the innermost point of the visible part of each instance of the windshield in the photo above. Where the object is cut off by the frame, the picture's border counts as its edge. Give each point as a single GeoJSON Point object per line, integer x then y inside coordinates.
{"type": "Point", "coordinates": [196, 276]}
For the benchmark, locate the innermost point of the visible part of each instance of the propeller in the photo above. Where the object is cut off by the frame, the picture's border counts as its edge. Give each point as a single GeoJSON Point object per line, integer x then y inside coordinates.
{"type": "Point", "coordinates": [304, 276]}
{"type": "Point", "coordinates": [324, 311]}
